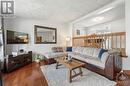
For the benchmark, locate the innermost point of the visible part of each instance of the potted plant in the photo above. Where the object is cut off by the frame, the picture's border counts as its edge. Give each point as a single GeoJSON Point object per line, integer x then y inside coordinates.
{"type": "Point", "coordinates": [37, 58]}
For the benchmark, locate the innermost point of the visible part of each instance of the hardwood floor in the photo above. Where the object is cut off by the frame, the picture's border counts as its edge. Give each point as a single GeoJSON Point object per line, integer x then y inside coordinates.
{"type": "Point", "coordinates": [31, 75]}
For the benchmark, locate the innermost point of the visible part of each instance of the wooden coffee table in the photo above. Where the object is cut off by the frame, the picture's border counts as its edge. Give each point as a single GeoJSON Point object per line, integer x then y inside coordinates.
{"type": "Point", "coordinates": [72, 65]}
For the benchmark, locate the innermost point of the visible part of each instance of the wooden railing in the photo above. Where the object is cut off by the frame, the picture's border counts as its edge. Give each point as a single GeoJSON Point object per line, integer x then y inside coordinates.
{"type": "Point", "coordinates": [106, 41]}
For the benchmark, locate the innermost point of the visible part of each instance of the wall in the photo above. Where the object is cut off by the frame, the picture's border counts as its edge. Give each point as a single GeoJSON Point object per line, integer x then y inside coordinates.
{"type": "Point", "coordinates": [126, 61]}
{"type": "Point", "coordinates": [27, 26]}
{"type": "Point", "coordinates": [82, 30]}
{"type": "Point", "coordinates": [113, 26]}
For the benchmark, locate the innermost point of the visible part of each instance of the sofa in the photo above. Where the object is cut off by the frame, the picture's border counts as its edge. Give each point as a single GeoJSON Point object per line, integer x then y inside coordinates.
{"type": "Point", "coordinates": [56, 52]}
{"type": "Point", "coordinates": [104, 62]}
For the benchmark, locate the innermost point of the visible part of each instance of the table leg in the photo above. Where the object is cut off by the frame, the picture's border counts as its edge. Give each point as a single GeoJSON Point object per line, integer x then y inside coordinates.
{"type": "Point", "coordinates": [80, 70]}
{"type": "Point", "coordinates": [70, 74]}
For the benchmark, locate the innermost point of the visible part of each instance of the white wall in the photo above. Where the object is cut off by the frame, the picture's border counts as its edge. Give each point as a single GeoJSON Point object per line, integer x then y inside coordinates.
{"type": "Point", "coordinates": [82, 30]}
{"type": "Point", "coordinates": [27, 26]}
{"type": "Point", "coordinates": [126, 61]}
{"type": "Point", "coordinates": [113, 26]}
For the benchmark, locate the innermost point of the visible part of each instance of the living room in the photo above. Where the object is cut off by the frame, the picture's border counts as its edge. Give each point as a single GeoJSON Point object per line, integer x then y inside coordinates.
{"type": "Point", "coordinates": [35, 35]}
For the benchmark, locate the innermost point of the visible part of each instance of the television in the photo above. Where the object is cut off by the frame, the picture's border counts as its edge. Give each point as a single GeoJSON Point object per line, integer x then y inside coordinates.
{"type": "Point", "coordinates": [14, 37]}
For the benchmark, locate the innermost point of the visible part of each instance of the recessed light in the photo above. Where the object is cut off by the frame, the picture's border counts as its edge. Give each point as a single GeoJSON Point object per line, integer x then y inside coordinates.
{"type": "Point", "coordinates": [97, 19]}
{"type": "Point", "coordinates": [105, 10]}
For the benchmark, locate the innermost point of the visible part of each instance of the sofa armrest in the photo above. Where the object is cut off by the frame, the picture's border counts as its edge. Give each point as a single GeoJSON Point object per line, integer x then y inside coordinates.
{"type": "Point", "coordinates": [113, 65]}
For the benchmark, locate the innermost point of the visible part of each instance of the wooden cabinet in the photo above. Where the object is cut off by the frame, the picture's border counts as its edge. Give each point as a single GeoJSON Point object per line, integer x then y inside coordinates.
{"type": "Point", "coordinates": [12, 63]}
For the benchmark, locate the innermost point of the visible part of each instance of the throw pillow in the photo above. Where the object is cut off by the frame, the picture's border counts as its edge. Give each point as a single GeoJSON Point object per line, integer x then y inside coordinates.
{"type": "Point", "coordinates": [104, 57]}
{"type": "Point", "coordinates": [101, 52]}
{"type": "Point", "coordinates": [69, 49]}
{"type": "Point", "coordinates": [96, 52]}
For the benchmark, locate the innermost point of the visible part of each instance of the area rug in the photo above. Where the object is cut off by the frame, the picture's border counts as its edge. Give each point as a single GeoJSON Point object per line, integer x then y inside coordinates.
{"type": "Point", "coordinates": [59, 77]}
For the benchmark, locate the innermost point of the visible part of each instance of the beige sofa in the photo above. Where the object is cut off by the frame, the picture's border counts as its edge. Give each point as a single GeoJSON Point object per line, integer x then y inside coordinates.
{"type": "Point", "coordinates": [108, 64]}
{"type": "Point", "coordinates": [56, 52]}
{"type": "Point", "coordinates": [90, 55]}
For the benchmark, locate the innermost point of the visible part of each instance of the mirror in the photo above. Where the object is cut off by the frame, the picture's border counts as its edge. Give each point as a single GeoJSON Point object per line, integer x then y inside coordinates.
{"type": "Point", "coordinates": [45, 35]}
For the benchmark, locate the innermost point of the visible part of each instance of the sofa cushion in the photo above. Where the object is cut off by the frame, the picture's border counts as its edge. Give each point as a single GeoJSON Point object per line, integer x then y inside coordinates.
{"type": "Point", "coordinates": [88, 51]}
{"type": "Point", "coordinates": [78, 49]}
{"type": "Point", "coordinates": [77, 56]}
{"type": "Point", "coordinates": [54, 49]}
{"type": "Point", "coordinates": [101, 52]}
{"type": "Point", "coordinates": [89, 59]}
{"type": "Point", "coordinates": [75, 49]}
{"type": "Point", "coordinates": [104, 57]}
{"type": "Point", "coordinates": [85, 51]}
{"type": "Point", "coordinates": [60, 49]}
{"type": "Point", "coordinates": [57, 49]}
{"type": "Point", "coordinates": [54, 55]}
{"type": "Point", "coordinates": [96, 52]}
{"type": "Point", "coordinates": [95, 61]}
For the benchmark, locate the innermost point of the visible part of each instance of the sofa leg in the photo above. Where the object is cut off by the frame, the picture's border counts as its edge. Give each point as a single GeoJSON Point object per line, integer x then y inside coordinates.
{"type": "Point", "coordinates": [57, 63]}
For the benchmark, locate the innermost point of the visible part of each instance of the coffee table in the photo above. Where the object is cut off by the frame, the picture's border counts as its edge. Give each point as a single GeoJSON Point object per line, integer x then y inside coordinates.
{"type": "Point", "coordinates": [72, 65]}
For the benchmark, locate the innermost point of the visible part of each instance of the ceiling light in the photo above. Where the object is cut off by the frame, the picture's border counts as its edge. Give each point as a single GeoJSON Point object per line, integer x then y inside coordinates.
{"type": "Point", "coordinates": [97, 19]}
{"type": "Point", "coordinates": [105, 10]}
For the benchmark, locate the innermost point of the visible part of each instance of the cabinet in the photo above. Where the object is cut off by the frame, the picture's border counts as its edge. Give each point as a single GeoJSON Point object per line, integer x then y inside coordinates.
{"type": "Point", "coordinates": [12, 63]}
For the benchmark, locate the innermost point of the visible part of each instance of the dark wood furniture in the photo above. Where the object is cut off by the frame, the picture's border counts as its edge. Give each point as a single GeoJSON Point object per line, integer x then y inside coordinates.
{"type": "Point", "coordinates": [72, 65]}
{"type": "Point", "coordinates": [12, 63]}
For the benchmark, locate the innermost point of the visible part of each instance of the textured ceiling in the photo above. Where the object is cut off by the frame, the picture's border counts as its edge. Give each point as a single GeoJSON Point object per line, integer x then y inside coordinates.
{"type": "Point", "coordinates": [113, 14]}
{"type": "Point", "coordinates": [57, 10]}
